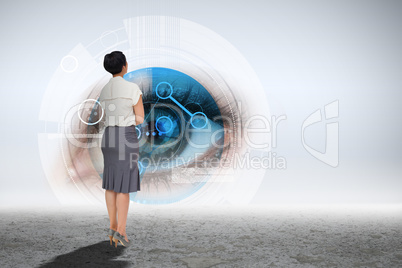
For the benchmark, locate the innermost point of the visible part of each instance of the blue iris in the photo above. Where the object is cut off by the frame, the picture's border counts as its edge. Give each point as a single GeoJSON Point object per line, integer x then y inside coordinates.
{"type": "Point", "coordinates": [174, 101]}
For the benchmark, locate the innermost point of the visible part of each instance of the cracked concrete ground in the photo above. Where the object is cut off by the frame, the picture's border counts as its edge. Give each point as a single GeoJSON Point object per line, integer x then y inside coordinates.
{"type": "Point", "coordinates": [205, 236]}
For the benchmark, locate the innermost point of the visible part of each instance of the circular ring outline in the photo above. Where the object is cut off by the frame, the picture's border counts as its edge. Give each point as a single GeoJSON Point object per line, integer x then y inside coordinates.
{"type": "Point", "coordinates": [79, 116]}
{"type": "Point", "coordinates": [76, 63]}
{"type": "Point", "coordinates": [206, 119]}
{"type": "Point", "coordinates": [171, 90]}
{"type": "Point", "coordinates": [157, 120]}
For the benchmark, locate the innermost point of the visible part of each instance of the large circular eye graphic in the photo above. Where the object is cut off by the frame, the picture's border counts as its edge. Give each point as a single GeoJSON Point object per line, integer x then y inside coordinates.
{"type": "Point", "coordinates": [205, 116]}
{"type": "Point", "coordinates": [175, 104]}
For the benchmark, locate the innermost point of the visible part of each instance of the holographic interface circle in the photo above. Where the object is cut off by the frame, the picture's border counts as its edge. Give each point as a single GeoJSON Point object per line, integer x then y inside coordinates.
{"type": "Point", "coordinates": [93, 113]}
{"type": "Point", "coordinates": [217, 83]}
{"type": "Point", "coordinates": [164, 148]}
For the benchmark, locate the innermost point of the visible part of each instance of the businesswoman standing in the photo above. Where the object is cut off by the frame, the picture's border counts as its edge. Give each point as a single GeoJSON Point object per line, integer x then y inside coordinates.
{"type": "Point", "coordinates": [123, 107]}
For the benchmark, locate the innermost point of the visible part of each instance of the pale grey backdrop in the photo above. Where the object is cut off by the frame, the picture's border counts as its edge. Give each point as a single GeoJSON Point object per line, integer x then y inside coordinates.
{"type": "Point", "coordinates": [306, 54]}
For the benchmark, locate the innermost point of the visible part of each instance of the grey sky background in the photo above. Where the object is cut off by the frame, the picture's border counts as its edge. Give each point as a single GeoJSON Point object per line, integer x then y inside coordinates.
{"type": "Point", "coordinates": [305, 53]}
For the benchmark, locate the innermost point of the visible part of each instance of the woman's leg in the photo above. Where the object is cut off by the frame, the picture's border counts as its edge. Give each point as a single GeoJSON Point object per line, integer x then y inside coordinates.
{"type": "Point", "coordinates": [122, 201]}
{"type": "Point", "coordinates": [110, 197]}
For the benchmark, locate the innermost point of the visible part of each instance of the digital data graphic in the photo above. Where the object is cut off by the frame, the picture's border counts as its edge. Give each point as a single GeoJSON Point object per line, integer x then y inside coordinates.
{"type": "Point", "coordinates": [199, 93]}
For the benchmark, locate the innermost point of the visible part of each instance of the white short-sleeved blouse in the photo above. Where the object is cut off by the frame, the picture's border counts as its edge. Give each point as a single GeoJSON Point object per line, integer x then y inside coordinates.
{"type": "Point", "coordinates": [117, 99]}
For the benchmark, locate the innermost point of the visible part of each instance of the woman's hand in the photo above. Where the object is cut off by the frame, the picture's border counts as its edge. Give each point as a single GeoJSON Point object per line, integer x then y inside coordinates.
{"type": "Point", "coordinates": [139, 111]}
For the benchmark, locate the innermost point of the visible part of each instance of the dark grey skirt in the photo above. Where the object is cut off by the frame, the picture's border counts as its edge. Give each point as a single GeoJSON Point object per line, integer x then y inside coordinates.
{"type": "Point", "coordinates": [120, 154]}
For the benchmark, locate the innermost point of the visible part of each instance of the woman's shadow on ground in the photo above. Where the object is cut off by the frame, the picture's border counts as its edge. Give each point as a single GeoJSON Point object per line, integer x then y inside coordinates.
{"type": "Point", "coordinates": [101, 254]}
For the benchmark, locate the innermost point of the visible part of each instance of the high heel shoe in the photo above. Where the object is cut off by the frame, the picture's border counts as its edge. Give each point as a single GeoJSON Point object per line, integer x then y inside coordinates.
{"type": "Point", "coordinates": [110, 234]}
{"type": "Point", "coordinates": [119, 238]}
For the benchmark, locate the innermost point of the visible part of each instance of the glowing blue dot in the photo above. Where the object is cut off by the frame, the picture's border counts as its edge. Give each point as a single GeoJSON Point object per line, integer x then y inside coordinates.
{"type": "Point", "coordinates": [153, 133]}
{"type": "Point", "coordinates": [147, 133]}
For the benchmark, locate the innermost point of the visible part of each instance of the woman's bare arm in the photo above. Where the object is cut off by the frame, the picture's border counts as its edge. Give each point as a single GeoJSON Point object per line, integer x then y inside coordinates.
{"type": "Point", "coordinates": [139, 111]}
